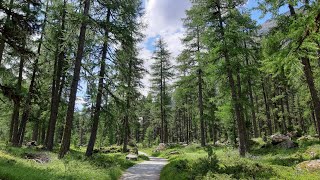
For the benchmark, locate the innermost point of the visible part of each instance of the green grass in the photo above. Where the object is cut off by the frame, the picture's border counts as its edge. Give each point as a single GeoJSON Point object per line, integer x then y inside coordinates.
{"type": "Point", "coordinates": [13, 165]}
{"type": "Point", "coordinates": [260, 163]}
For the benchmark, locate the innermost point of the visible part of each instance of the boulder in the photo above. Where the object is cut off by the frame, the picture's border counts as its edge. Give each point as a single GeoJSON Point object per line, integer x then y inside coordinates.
{"type": "Point", "coordinates": [287, 144]}
{"type": "Point", "coordinates": [161, 147]}
{"type": "Point", "coordinates": [278, 138]}
{"type": "Point", "coordinates": [174, 152]}
{"type": "Point", "coordinates": [306, 138]}
{"type": "Point", "coordinates": [39, 158]}
{"type": "Point", "coordinates": [293, 134]}
{"type": "Point", "coordinates": [132, 157]}
{"type": "Point", "coordinates": [219, 143]}
{"type": "Point", "coordinates": [313, 165]}
{"type": "Point", "coordinates": [31, 144]}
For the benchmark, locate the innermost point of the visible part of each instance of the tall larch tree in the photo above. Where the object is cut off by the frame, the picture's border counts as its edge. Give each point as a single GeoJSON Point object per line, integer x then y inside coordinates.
{"type": "Point", "coordinates": [65, 145]}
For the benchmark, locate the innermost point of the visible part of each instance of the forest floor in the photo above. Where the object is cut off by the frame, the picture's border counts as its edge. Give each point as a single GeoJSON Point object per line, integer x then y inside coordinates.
{"type": "Point", "coordinates": [14, 165]}
{"type": "Point", "coordinates": [262, 162]}
{"type": "Point", "coordinates": [185, 162]}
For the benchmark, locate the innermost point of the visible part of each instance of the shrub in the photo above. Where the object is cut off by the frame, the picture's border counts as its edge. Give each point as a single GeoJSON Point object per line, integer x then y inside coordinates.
{"type": "Point", "coordinates": [243, 168]}
{"type": "Point", "coordinates": [212, 176]}
{"type": "Point", "coordinates": [143, 157]}
{"type": "Point", "coordinates": [176, 170]}
{"type": "Point", "coordinates": [181, 164]}
{"type": "Point", "coordinates": [155, 154]}
{"type": "Point", "coordinates": [203, 165]}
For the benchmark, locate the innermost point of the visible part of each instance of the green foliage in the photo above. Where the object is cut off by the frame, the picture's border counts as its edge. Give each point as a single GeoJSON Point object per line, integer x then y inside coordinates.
{"type": "Point", "coordinates": [73, 166]}
{"type": "Point", "coordinates": [261, 163]}
{"type": "Point", "coordinates": [143, 157]}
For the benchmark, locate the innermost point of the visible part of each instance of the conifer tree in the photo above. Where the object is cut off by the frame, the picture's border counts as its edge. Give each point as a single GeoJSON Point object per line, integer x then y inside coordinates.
{"type": "Point", "coordinates": [161, 74]}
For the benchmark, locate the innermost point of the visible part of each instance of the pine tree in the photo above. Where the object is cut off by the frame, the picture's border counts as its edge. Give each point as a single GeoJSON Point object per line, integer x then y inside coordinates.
{"type": "Point", "coordinates": [57, 82]}
{"type": "Point", "coordinates": [194, 24]}
{"type": "Point", "coordinates": [65, 145]}
{"type": "Point", "coordinates": [101, 85]}
{"type": "Point", "coordinates": [161, 74]}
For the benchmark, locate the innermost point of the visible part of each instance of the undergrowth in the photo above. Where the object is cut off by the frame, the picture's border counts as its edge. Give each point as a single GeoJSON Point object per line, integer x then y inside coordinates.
{"type": "Point", "coordinates": [194, 162]}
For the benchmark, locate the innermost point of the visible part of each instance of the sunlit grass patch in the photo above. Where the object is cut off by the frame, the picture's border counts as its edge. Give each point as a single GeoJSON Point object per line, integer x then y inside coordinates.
{"type": "Point", "coordinates": [75, 165]}
{"type": "Point", "coordinates": [260, 163]}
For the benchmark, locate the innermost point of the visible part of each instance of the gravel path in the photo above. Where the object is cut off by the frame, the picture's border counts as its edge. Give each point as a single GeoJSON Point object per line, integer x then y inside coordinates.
{"type": "Point", "coordinates": [147, 170]}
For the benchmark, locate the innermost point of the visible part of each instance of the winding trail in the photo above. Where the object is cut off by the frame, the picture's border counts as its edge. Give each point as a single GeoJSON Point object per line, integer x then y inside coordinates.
{"type": "Point", "coordinates": [146, 170]}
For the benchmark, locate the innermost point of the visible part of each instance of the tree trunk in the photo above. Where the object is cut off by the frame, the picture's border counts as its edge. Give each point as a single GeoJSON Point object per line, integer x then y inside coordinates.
{"type": "Point", "coordinates": [202, 130]}
{"type": "Point", "coordinates": [27, 105]}
{"type": "Point", "coordinates": [253, 113]}
{"type": "Point", "coordinates": [165, 132]}
{"type": "Point", "coordinates": [238, 84]}
{"type": "Point", "coordinates": [188, 125]}
{"type": "Point", "coordinates": [96, 115]}
{"type": "Point", "coordinates": [2, 46]}
{"type": "Point", "coordinates": [55, 98]}
{"type": "Point", "coordinates": [314, 93]}
{"type": "Point", "coordinates": [200, 94]}
{"type": "Point", "coordinates": [126, 119]}
{"type": "Point", "coordinates": [65, 145]}
{"type": "Point", "coordinates": [161, 103]}
{"type": "Point", "coordinates": [43, 132]}
{"type": "Point", "coordinates": [301, 120]}
{"type": "Point", "coordinates": [259, 121]}
{"type": "Point", "coordinates": [16, 108]}
{"type": "Point", "coordinates": [36, 127]}
{"type": "Point", "coordinates": [284, 125]}
{"type": "Point", "coordinates": [290, 124]}
{"type": "Point", "coordinates": [190, 137]}
{"type": "Point", "coordinates": [235, 100]}
{"type": "Point", "coordinates": [2, 42]}
{"type": "Point", "coordinates": [266, 103]}
{"type": "Point", "coordinates": [276, 123]}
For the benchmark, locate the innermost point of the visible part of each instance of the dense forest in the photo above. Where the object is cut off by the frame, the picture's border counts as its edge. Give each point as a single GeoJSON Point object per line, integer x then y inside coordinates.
{"type": "Point", "coordinates": [71, 75]}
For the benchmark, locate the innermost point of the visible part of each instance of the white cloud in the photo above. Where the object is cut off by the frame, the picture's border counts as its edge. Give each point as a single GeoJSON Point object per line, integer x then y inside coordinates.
{"type": "Point", "coordinates": [163, 18]}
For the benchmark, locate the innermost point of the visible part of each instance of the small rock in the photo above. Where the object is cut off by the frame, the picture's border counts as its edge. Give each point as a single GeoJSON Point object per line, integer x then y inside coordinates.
{"type": "Point", "coordinates": [278, 138]}
{"type": "Point", "coordinates": [310, 165]}
{"type": "Point", "coordinates": [219, 143]}
{"type": "Point", "coordinates": [174, 152]}
{"type": "Point", "coordinates": [39, 158]}
{"type": "Point", "coordinates": [132, 157]}
{"type": "Point", "coordinates": [161, 147]}
{"type": "Point", "coordinates": [287, 144]}
{"type": "Point", "coordinates": [306, 138]}
{"type": "Point", "coordinates": [292, 134]}
{"type": "Point", "coordinates": [31, 144]}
